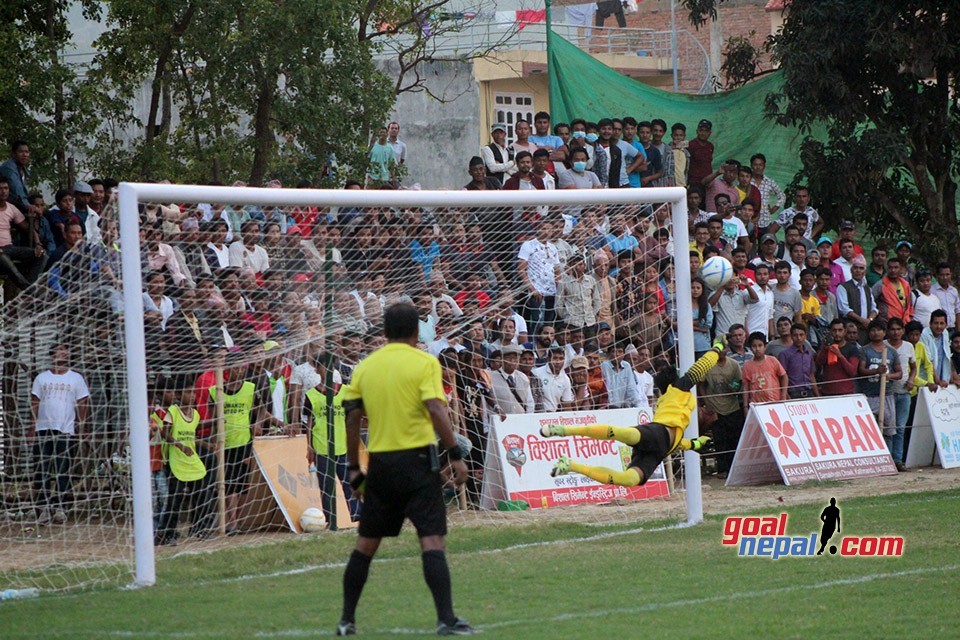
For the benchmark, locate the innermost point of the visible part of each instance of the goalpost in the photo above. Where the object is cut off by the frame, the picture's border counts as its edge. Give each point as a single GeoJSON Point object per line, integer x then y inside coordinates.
{"type": "Point", "coordinates": [133, 194]}
{"type": "Point", "coordinates": [337, 258]}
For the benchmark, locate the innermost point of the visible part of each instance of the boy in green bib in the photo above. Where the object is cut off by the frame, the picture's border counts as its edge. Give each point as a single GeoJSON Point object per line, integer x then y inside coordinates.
{"type": "Point", "coordinates": [185, 470]}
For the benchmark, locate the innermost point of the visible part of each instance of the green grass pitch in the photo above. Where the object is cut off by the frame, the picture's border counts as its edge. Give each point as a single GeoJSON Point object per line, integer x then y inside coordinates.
{"type": "Point", "coordinates": [551, 581]}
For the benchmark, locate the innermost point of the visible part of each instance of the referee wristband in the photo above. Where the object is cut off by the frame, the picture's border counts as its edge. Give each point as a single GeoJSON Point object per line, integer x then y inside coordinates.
{"type": "Point", "coordinates": [454, 453]}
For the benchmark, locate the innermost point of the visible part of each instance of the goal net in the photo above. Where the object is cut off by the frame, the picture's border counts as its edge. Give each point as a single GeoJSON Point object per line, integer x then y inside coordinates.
{"type": "Point", "coordinates": [166, 384]}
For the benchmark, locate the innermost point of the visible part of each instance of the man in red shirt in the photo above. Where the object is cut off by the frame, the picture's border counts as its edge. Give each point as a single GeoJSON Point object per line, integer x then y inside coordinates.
{"type": "Point", "coordinates": [838, 360]}
{"type": "Point", "coordinates": [701, 153]}
{"type": "Point", "coordinates": [847, 232]}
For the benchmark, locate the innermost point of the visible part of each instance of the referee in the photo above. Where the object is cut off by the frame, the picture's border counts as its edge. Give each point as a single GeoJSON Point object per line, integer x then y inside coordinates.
{"type": "Point", "coordinates": [399, 390]}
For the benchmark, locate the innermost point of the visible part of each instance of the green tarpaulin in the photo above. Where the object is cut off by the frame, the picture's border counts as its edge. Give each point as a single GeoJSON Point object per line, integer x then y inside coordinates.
{"type": "Point", "coordinates": [583, 87]}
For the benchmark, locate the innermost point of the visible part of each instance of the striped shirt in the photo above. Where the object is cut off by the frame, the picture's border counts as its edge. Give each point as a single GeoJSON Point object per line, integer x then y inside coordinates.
{"type": "Point", "coordinates": [770, 194]}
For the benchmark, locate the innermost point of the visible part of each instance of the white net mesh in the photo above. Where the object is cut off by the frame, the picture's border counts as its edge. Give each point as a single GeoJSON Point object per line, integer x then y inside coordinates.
{"type": "Point", "coordinates": [274, 298]}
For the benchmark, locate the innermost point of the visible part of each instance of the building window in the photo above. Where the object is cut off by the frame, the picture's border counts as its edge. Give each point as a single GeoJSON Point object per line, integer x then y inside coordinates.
{"type": "Point", "coordinates": [510, 107]}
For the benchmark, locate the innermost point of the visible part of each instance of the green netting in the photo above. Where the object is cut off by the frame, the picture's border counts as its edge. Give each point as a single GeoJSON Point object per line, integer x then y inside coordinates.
{"type": "Point", "coordinates": [583, 87]}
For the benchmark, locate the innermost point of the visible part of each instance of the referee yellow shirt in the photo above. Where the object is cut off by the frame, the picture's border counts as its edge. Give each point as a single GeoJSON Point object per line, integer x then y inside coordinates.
{"type": "Point", "coordinates": [394, 382]}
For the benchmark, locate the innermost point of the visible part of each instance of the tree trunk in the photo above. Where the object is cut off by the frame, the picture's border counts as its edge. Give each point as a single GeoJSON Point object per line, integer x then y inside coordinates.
{"type": "Point", "coordinates": [263, 132]}
{"type": "Point", "coordinates": [58, 133]}
{"type": "Point", "coordinates": [157, 87]}
{"type": "Point", "coordinates": [951, 228]}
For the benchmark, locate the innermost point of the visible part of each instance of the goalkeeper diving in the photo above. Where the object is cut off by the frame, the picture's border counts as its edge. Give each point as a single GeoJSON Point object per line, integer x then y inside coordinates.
{"type": "Point", "coordinates": [651, 442]}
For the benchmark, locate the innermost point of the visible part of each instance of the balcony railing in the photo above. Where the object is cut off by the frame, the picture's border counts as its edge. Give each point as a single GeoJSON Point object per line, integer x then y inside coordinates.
{"type": "Point", "coordinates": [471, 38]}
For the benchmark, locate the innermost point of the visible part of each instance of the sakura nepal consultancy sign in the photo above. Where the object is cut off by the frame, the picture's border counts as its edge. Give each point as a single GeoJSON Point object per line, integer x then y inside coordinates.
{"type": "Point", "coordinates": [519, 461]}
{"type": "Point", "coordinates": [831, 438]}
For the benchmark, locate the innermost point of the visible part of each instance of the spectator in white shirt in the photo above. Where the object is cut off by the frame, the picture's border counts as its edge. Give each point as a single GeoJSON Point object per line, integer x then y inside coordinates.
{"type": "Point", "coordinates": [59, 405]}
{"type": "Point", "coordinates": [948, 296]}
{"type": "Point", "coordinates": [639, 359]}
{"type": "Point", "coordinates": [760, 314]}
{"type": "Point", "coordinates": [924, 301]}
{"type": "Point", "coordinates": [399, 148]}
{"type": "Point", "coordinates": [217, 251]}
{"type": "Point", "coordinates": [556, 386]}
{"type": "Point", "coordinates": [538, 264]}
{"type": "Point", "coordinates": [246, 252]}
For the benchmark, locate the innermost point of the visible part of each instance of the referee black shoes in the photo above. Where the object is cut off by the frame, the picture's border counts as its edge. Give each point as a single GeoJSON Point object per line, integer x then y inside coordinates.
{"type": "Point", "coordinates": [459, 628]}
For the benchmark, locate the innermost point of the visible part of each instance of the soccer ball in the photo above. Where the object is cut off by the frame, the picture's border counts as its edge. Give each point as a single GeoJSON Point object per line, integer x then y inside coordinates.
{"type": "Point", "coordinates": [716, 272]}
{"type": "Point", "coordinates": [312, 520]}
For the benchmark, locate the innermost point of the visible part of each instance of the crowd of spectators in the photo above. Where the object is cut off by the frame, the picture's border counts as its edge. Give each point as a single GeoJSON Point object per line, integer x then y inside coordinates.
{"type": "Point", "coordinates": [527, 309]}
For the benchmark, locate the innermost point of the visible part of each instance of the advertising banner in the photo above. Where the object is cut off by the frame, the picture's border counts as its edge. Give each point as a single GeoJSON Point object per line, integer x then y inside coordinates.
{"type": "Point", "coordinates": [519, 461]}
{"type": "Point", "coordinates": [283, 466]}
{"type": "Point", "coordinates": [831, 438]}
{"type": "Point", "coordinates": [936, 429]}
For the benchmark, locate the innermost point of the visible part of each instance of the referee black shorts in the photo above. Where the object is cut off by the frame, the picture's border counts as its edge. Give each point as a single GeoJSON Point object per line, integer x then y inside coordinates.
{"type": "Point", "coordinates": [399, 485]}
{"type": "Point", "coordinates": [656, 441]}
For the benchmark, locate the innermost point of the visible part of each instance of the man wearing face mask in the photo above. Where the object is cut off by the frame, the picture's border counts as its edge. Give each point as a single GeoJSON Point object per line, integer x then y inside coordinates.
{"type": "Point", "coordinates": [578, 140]}
{"type": "Point", "coordinates": [578, 177]}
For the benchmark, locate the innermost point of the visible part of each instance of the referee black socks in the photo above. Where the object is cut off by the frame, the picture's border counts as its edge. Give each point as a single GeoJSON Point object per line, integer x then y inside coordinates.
{"type": "Point", "coordinates": [354, 577]}
{"type": "Point", "coordinates": [437, 574]}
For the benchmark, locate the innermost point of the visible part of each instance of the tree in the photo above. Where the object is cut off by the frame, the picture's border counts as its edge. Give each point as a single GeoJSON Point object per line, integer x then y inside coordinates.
{"type": "Point", "coordinates": [877, 82]}
{"type": "Point", "coordinates": [413, 33]}
{"type": "Point", "coordinates": [257, 89]}
{"type": "Point", "coordinates": [237, 88]}
{"type": "Point", "coordinates": [41, 99]}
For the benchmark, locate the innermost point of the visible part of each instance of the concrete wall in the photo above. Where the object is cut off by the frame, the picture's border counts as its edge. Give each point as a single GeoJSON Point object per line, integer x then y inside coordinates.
{"type": "Point", "coordinates": [441, 136]}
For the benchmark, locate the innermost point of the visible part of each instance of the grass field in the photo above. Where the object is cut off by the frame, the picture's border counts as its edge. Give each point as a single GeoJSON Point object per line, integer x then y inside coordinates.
{"type": "Point", "coordinates": [551, 581]}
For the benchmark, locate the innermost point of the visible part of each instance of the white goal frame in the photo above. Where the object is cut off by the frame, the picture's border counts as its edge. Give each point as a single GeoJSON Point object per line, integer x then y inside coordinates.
{"type": "Point", "coordinates": [131, 194]}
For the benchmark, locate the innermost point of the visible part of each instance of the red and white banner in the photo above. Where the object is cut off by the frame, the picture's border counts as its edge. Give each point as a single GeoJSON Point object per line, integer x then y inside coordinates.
{"type": "Point", "coordinates": [519, 461]}
{"type": "Point", "coordinates": [832, 438]}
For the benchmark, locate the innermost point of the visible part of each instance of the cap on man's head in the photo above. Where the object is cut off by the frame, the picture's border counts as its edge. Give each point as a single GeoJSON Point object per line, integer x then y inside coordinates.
{"type": "Point", "coordinates": [301, 277]}
{"type": "Point", "coordinates": [511, 350]}
{"type": "Point", "coordinates": [603, 326]}
{"type": "Point", "coordinates": [847, 224]}
{"type": "Point", "coordinates": [859, 261]}
{"type": "Point", "coordinates": [579, 362]}
{"type": "Point", "coordinates": [705, 124]}
{"type": "Point", "coordinates": [82, 187]}
{"type": "Point", "coordinates": [499, 126]}
{"type": "Point", "coordinates": [631, 348]}
{"type": "Point", "coordinates": [904, 243]}
{"type": "Point", "coordinates": [825, 240]}
{"type": "Point", "coordinates": [768, 237]}
{"type": "Point", "coordinates": [270, 345]}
